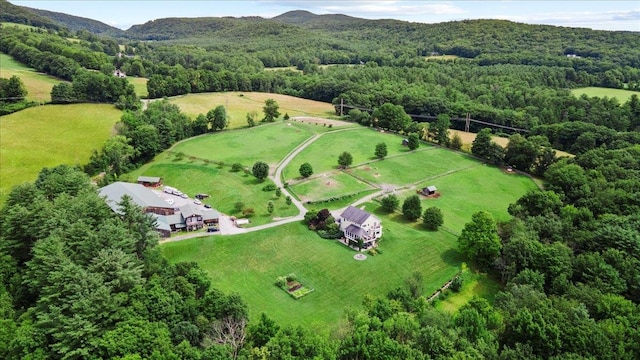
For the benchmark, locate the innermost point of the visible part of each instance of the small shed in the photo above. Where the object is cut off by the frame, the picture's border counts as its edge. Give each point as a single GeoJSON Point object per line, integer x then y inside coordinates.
{"type": "Point", "coordinates": [429, 190]}
{"type": "Point", "coordinates": [150, 181]}
{"type": "Point", "coordinates": [405, 142]}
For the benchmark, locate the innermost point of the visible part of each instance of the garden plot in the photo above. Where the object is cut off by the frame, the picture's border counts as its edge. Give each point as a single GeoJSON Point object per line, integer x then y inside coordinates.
{"type": "Point", "coordinates": [329, 186]}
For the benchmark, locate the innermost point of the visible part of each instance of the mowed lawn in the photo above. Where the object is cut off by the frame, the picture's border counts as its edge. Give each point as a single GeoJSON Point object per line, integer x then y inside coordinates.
{"type": "Point", "coordinates": [414, 166]}
{"type": "Point", "coordinates": [38, 85]}
{"type": "Point", "coordinates": [332, 185]}
{"type": "Point", "coordinates": [239, 104]}
{"type": "Point", "coordinates": [225, 187]}
{"type": "Point", "coordinates": [620, 94]}
{"type": "Point", "coordinates": [269, 143]}
{"type": "Point", "coordinates": [50, 135]}
{"type": "Point", "coordinates": [474, 189]}
{"type": "Point", "coordinates": [249, 264]}
{"type": "Point", "coordinates": [140, 86]}
{"type": "Point", "coordinates": [361, 142]}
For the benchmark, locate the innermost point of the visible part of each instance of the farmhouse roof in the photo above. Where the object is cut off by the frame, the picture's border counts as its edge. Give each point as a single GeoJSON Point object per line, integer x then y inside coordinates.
{"type": "Point", "coordinates": [189, 210]}
{"type": "Point", "coordinates": [355, 215]}
{"type": "Point", "coordinates": [150, 179]}
{"type": "Point", "coordinates": [210, 215]}
{"type": "Point", "coordinates": [139, 194]}
{"type": "Point", "coordinates": [353, 229]}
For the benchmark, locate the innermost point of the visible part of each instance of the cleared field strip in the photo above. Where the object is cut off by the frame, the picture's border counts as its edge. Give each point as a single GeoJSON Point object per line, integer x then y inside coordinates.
{"type": "Point", "coordinates": [38, 85]}
{"type": "Point", "coordinates": [329, 185]}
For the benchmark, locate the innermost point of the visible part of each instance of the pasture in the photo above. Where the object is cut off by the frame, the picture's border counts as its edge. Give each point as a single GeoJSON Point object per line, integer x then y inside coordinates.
{"type": "Point", "coordinates": [620, 94]}
{"type": "Point", "coordinates": [238, 104]}
{"type": "Point", "coordinates": [140, 86]}
{"type": "Point", "coordinates": [269, 143]}
{"type": "Point", "coordinates": [249, 264]}
{"type": "Point", "coordinates": [360, 142]}
{"type": "Point", "coordinates": [473, 189]}
{"type": "Point", "coordinates": [329, 185]}
{"type": "Point", "coordinates": [50, 135]}
{"type": "Point", "coordinates": [38, 85]}
{"type": "Point", "coordinates": [411, 167]}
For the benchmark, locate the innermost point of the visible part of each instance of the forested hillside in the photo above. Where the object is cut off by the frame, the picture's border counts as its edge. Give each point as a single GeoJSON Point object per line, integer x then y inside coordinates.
{"type": "Point", "coordinates": [78, 281]}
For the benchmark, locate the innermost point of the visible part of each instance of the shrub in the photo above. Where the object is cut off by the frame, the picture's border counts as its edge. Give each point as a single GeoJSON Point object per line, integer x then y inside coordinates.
{"type": "Point", "coordinates": [432, 218]}
{"type": "Point", "coordinates": [291, 277]}
{"type": "Point", "coordinates": [390, 203]}
{"type": "Point", "coordinates": [236, 167]}
{"type": "Point", "coordinates": [269, 187]}
{"type": "Point", "coordinates": [456, 283]}
{"type": "Point", "coordinates": [281, 281]}
{"type": "Point", "coordinates": [248, 212]}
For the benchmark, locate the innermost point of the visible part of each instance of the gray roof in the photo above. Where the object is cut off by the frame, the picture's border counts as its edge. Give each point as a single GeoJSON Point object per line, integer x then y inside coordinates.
{"type": "Point", "coordinates": [151, 179]}
{"type": "Point", "coordinates": [431, 188]}
{"type": "Point", "coordinates": [189, 210]}
{"type": "Point", "coordinates": [210, 215]}
{"type": "Point", "coordinates": [139, 194]}
{"type": "Point", "coordinates": [355, 215]}
{"type": "Point", "coordinates": [161, 222]}
{"type": "Point", "coordinates": [353, 229]}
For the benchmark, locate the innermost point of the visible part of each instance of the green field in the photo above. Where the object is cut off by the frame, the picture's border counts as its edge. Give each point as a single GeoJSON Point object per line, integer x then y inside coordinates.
{"type": "Point", "coordinates": [332, 185]}
{"type": "Point", "coordinates": [238, 104]}
{"type": "Point", "coordinates": [38, 85]}
{"type": "Point", "coordinates": [250, 263]}
{"type": "Point", "coordinates": [50, 135]}
{"type": "Point", "coordinates": [473, 189]}
{"type": "Point", "coordinates": [269, 143]}
{"type": "Point", "coordinates": [140, 86]}
{"type": "Point", "coordinates": [620, 94]}
{"type": "Point", "coordinates": [360, 142]}
{"type": "Point", "coordinates": [414, 166]}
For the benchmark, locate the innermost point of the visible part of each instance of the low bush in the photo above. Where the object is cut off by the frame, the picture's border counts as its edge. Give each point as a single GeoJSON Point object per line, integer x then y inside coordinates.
{"type": "Point", "coordinates": [269, 187]}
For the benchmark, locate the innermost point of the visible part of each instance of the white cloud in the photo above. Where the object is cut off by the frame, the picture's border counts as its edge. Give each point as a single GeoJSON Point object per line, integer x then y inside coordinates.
{"type": "Point", "coordinates": [374, 9]}
{"type": "Point", "coordinates": [580, 18]}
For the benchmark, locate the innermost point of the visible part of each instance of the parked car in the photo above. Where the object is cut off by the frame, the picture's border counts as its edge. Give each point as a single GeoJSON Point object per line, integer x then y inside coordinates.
{"type": "Point", "coordinates": [207, 206]}
{"type": "Point", "coordinates": [197, 202]}
{"type": "Point", "coordinates": [184, 196]}
{"type": "Point", "coordinates": [202, 196]}
{"type": "Point", "coordinates": [169, 190]}
{"type": "Point", "coordinates": [212, 229]}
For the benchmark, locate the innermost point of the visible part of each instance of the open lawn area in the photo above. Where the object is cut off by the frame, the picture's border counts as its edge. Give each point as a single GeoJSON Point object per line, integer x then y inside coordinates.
{"type": "Point", "coordinates": [269, 143]}
{"type": "Point", "coordinates": [474, 284]}
{"type": "Point", "coordinates": [332, 185]}
{"type": "Point", "coordinates": [414, 166]}
{"type": "Point", "coordinates": [238, 104]}
{"type": "Point", "coordinates": [470, 190]}
{"type": "Point", "coordinates": [225, 187]}
{"type": "Point", "coordinates": [38, 85]}
{"type": "Point", "coordinates": [620, 94]}
{"type": "Point", "coordinates": [140, 85]}
{"type": "Point", "coordinates": [50, 135]}
{"type": "Point", "coordinates": [360, 142]}
{"type": "Point", "coordinates": [250, 263]}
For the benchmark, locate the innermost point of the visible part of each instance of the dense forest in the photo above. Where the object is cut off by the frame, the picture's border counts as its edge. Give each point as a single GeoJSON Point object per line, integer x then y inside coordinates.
{"type": "Point", "coordinates": [78, 281]}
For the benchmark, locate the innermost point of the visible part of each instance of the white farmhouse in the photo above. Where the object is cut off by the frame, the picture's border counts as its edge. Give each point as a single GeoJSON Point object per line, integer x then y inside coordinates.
{"type": "Point", "coordinates": [361, 229]}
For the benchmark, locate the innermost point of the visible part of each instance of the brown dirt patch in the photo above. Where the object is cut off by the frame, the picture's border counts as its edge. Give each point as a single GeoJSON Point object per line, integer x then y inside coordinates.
{"type": "Point", "coordinates": [320, 121]}
{"type": "Point", "coordinates": [434, 196]}
{"type": "Point", "coordinates": [366, 168]}
{"type": "Point", "coordinates": [376, 174]}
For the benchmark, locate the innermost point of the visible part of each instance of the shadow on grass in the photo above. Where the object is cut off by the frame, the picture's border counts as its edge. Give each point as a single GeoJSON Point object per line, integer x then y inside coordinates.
{"type": "Point", "coordinates": [254, 181]}
{"type": "Point", "coordinates": [452, 257]}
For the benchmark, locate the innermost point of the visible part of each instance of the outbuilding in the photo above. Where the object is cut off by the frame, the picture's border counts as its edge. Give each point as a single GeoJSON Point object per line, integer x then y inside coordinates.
{"type": "Point", "coordinates": [149, 181]}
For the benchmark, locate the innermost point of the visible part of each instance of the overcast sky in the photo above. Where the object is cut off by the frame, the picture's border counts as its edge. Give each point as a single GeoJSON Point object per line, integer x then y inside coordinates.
{"type": "Point", "coordinates": [599, 15]}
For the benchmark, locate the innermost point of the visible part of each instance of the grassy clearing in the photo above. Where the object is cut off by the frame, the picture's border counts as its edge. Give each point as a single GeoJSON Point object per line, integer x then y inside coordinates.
{"type": "Point", "coordinates": [238, 104]}
{"type": "Point", "coordinates": [323, 153]}
{"type": "Point", "coordinates": [51, 135]}
{"type": "Point", "coordinates": [269, 143]}
{"type": "Point", "coordinates": [478, 188]}
{"type": "Point", "coordinates": [333, 185]}
{"type": "Point", "coordinates": [620, 94]}
{"type": "Point", "coordinates": [467, 140]}
{"type": "Point", "coordinates": [140, 86]}
{"type": "Point", "coordinates": [441, 57]}
{"type": "Point", "coordinates": [38, 85]}
{"type": "Point", "coordinates": [194, 176]}
{"type": "Point", "coordinates": [414, 166]}
{"type": "Point", "coordinates": [475, 284]}
{"type": "Point", "coordinates": [250, 263]}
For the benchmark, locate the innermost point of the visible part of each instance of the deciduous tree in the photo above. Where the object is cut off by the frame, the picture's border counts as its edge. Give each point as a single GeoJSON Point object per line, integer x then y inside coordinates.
{"type": "Point", "coordinates": [270, 110]}
{"type": "Point", "coordinates": [381, 150]}
{"type": "Point", "coordinates": [411, 208]}
{"type": "Point", "coordinates": [432, 218]}
{"type": "Point", "coordinates": [260, 170]}
{"type": "Point", "coordinates": [305, 170]}
{"type": "Point", "coordinates": [345, 159]}
{"type": "Point", "coordinates": [479, 240]}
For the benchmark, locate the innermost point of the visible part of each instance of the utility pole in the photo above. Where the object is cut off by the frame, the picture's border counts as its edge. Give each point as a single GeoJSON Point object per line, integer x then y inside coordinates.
{"type": "Point", "coordinates": [466, 123]}
{"type": "Point", "coordinates": [341, 107]}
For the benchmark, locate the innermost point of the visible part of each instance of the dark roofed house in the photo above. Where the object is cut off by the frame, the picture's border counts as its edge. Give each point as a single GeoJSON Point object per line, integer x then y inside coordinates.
{"type": "Point", "coordinates": [149, 201]}
{"type": "Point", "coordinates": [360, 227]}
{"type": "Point", "coordinates": [149, 181]}
{"type": "Point", "coordinates": [192, 217]}
{"type": "Point", "coordinates": [210, 217]}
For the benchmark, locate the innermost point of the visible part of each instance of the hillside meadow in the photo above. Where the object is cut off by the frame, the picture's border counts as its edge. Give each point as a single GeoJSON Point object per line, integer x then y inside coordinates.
{"type": "Point", "coordinates": [50, 135]}
{"type": "Point", "coordinates": [38, 85]}
{"type": "Point", "coordinates": [238, 104]}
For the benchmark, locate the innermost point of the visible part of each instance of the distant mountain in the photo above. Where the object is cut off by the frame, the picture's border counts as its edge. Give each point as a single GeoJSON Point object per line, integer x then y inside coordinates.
{"type": "Point", "coordinates": [76, 23]}
{"type": "Point", "coordinates": [21, 15]}
{"type": "Point", "coordinates": [311, 20]}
